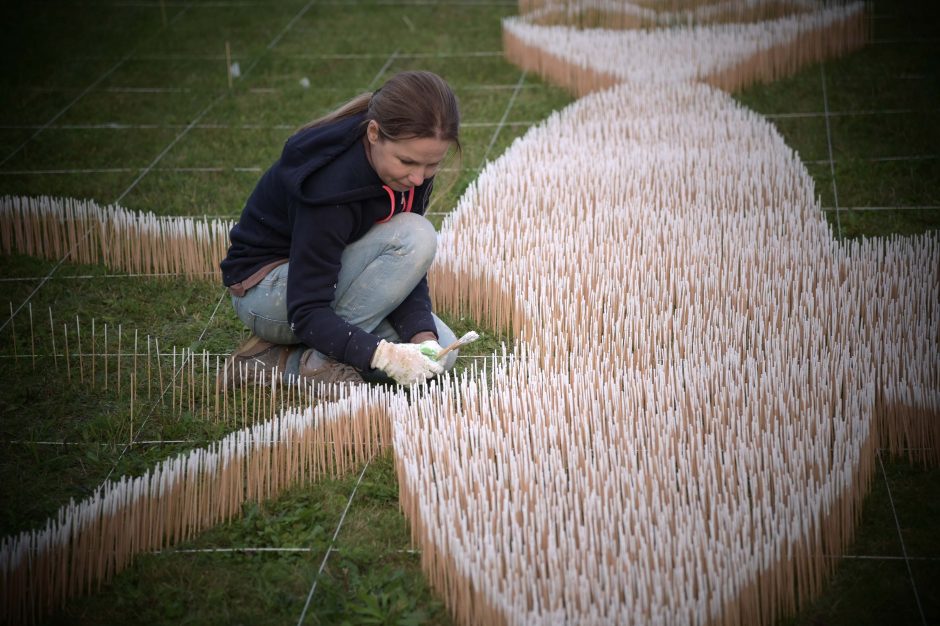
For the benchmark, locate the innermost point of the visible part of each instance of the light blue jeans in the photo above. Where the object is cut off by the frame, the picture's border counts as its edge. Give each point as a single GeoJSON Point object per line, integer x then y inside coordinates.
{"type": "Point", "coordinates": [378, 272]}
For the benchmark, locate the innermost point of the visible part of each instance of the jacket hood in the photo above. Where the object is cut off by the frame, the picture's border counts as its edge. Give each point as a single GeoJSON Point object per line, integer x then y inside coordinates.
{"type": "Point", "coordinates": [327, 164]}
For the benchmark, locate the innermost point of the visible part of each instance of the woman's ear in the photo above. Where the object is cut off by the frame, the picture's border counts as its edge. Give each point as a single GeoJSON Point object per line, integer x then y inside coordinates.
{"type": "Point", "coordinates": [372, 131]}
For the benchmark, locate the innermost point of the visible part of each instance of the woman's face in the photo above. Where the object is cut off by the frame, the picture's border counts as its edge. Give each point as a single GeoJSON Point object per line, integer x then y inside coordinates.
{"type": "Point", "coordinates": [406, 163]}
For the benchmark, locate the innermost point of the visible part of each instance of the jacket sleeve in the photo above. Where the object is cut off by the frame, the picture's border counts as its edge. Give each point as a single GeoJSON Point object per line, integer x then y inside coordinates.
{"type": "Point", "coordinates": [319, 236]}
{"type": "Point", "coordinates": [413, 315]}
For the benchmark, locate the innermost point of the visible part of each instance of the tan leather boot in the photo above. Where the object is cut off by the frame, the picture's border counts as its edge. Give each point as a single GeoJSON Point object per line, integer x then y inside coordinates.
{"type": "Point", "coordinates": [315, 367]}
{"type": "Point", "coordinates": [255, 356]}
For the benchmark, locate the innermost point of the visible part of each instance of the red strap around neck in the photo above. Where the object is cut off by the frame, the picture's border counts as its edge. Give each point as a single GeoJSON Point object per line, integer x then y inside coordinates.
{"type": "Point", "coordinates": [391, 201]}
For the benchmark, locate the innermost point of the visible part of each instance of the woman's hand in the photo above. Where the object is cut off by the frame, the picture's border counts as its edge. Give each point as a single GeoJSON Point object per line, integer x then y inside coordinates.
{"type": "Point", "coordinates": [430, 349]}
{"type": "Point", "coordinates": [429, 345]}
{"type": "Point", "coordinates": [405, 362]}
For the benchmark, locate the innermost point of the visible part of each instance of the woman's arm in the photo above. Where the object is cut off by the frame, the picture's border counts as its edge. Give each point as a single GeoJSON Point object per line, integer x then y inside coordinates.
{"type": "Point", "coordinates": [413, 316]}
{"type": "Point", "coordinates": [320, 235]}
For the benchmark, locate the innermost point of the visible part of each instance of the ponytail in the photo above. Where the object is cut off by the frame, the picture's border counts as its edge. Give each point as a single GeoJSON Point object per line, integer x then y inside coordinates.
{"type": "Point", "coordinates": [357, 105]}
{"type": "Point", "coordinates": [410, 105]}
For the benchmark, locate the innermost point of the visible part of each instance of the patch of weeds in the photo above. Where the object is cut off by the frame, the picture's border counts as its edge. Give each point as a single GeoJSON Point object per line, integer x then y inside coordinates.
{"type": "Point", "coordinates": [200, 588]}
{"type": "Point", "coordinates": [385, 597]}
{"type": "Point", "coordinates": [490, 341]}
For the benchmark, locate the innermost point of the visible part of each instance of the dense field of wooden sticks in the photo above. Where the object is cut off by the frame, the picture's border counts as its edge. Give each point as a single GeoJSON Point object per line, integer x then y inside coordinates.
{"type": "Point", "coordinates": [702, 378]}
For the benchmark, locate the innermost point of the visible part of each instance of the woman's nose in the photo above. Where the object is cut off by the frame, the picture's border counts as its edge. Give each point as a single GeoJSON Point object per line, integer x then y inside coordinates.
{"type": "Point", "coordinates": [415, 178]}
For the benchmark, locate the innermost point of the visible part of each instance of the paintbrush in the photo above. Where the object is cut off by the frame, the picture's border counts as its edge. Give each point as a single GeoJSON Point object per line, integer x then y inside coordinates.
{"type": "Point", "coordinates": [469, 337]}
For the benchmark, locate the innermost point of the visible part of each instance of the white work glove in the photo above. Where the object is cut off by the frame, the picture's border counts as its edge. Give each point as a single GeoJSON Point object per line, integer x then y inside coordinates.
{"type": "Point", "coordinates": [404, 362]}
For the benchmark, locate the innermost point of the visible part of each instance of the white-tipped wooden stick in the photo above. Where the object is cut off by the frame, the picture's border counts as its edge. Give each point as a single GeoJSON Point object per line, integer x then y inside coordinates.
{"type": "Point", "coordinates": [94, 348]}
{"type": "Point", "coordinates": [104, 355]}
{"type": "Point", "coordinates": [55, 356]}
{"type": "Point", "coordinates": [120, 347]}
{"type": "Point", "coordinates": [228, 64]}
{"type": "Point", "coordinates": [32, 336]}
{"type": "Point", "coordinates": [13, 332]}
{"type": "Point", "coordinates": [68, 362]}
{"type": "Point", "coordinates": [78, 347]}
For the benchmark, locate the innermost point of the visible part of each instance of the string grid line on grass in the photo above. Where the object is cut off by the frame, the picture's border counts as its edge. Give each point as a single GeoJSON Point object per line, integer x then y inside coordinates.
{"type": "Point", "coordinates": [63, 110]}
{"type": "Point", "coordinates": [92, 86]}
{"type": "Point", "coordinates": [178, 137]}
{"type": "Point", "coordinates": [832, 162]}
{"type": "Point", "coordinates": [329, 550]}
{"type": "Point", "coordinates": [904, 556]}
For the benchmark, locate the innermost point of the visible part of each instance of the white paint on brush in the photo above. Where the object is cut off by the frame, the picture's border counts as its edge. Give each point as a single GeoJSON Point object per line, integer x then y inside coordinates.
{"type": "Point", "coordinates": [468, 337]}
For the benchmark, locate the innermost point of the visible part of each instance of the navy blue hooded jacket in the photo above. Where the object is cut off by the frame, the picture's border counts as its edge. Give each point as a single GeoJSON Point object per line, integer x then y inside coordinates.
{"type": "Point", "coordinates": [319, 196]}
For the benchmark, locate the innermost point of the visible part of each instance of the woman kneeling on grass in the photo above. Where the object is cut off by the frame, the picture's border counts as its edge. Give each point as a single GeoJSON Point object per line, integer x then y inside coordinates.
{"type": "Point", "coordinates": [342, 212]}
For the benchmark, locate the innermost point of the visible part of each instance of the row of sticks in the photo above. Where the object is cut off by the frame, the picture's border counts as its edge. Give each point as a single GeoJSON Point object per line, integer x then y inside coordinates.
{"type": "Point", "coordinates": [138, 243]}
{"type": "Point", "coordinates": [276, 446]}
{"type": "Point", "coordinates": [777, 49]}
{"type": "Point", "coordinates": [88, 542]}
{"type": "Point", "coordinates": [640, 14]}
{"type": "Point", "coordinates": [138, 370]}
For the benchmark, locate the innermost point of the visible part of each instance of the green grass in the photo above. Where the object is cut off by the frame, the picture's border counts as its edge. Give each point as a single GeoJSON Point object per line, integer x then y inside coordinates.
{"type": "Point", "coordinates": [372, 577]}
{"type": "Point", "coordinates": [884, 104]}
{"type": "Point", "coordinates": [876, 588]}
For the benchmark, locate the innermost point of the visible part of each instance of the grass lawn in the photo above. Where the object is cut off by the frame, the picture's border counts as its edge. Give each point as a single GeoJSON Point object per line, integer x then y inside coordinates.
{"type": "Point", "coordinates": [130, 103]}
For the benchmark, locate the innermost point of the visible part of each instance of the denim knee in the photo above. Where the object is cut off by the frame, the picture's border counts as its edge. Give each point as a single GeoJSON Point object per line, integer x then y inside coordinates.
{"type": "Point", "coordinates": [263, 308]}
{"type": "Point", "coordinates": [417, 236]}
{"type": "Point", "coordinates": [270, 328]}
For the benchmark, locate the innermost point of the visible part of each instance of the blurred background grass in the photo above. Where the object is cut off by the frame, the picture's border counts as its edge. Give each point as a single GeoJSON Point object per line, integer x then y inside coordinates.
{"type": "Point", "coordinates": [110, 100]}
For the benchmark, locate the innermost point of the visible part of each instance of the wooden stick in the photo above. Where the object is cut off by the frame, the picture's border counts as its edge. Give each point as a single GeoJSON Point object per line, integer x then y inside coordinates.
{"type": "Point", "coordinates": [173, 383]}
{"type": "Point", "coordinates": [149, 375]}
{"type": "Point", "coordinates": [13, 330]}
{"type": "Point", "coordinates": [81, 357]}
{"type": "Point", "coordinates": [105, 356]}
{"type": "Point", "coordinates": [228, 64]}
{"type": "Point", "coordinates": [192, 382]}
{"type": "Point", "coordinates": [254, 394]}
{"type": "Point", "coordinates": [55, 356]}
{"type": "Point", "coordinates": [225, 377]}
{"type": "Point", "coordinates": [216, 412]}
{"type": "Point", "coordinates": [160, 370]}
{"type": "Point", "coordinates": [68, 363]}
{"type": "Point", "coordinates": [94, 350]}
{"type": "Point", "coordinates": [207, 385]}
{"type": "Point", "coordinates": [119, 349]}
{"type": "Point", "coordinates": [32, 337]}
